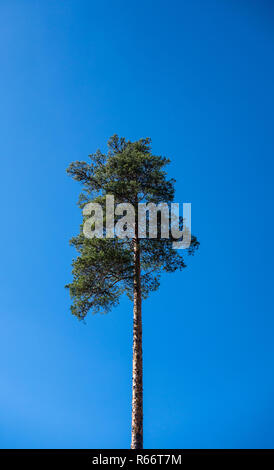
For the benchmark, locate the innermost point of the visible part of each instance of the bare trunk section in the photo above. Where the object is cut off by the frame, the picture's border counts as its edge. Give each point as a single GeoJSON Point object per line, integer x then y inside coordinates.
{"type": "Point", "coordinates": [137, 366]}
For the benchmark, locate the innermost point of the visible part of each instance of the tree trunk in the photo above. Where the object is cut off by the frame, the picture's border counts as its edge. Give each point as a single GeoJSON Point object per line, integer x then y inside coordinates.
{"type": "Point", "coordinates": [137, 366]}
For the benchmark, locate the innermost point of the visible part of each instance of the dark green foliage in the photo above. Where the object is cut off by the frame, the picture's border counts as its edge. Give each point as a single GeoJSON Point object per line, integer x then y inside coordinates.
{"type": "Point", "coordinates": [104, 268]}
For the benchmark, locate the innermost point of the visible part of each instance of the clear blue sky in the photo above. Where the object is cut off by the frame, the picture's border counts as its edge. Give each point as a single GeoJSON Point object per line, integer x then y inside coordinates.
{"type": "Point", "coordinates": [197, 77]}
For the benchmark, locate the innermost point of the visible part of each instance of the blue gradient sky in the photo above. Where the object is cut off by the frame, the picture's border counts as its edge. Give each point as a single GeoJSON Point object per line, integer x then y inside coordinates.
{"type": "Point", "coordinates": [197, 77]}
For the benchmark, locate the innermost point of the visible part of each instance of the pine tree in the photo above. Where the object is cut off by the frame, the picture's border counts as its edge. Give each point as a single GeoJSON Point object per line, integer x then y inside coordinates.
{"type": "Point", "coordinates": [108, 267]}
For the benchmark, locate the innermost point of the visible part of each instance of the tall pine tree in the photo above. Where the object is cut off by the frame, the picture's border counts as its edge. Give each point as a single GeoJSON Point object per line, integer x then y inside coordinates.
{"type": "Point", "coordinates": [108, 267]}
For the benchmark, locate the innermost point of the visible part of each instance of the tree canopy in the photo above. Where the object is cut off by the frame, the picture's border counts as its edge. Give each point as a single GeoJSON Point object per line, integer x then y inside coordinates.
{"type": "Point", "coordinates": [104, 267]}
